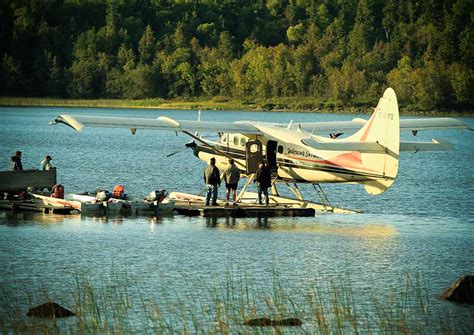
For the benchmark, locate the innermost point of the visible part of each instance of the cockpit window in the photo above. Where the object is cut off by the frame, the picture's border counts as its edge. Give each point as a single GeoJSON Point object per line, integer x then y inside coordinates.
{"type": "Point", "coordinates": [242, 141]}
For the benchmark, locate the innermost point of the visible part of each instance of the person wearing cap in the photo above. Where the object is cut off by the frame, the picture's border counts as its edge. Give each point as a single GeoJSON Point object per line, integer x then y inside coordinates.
{"type": "Point", "coordinates": [46, 163]}
{"type": "Point", "coordinates": [213, 181]}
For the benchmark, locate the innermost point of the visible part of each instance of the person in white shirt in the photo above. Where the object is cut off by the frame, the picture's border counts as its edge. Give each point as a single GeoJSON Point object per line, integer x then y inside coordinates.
{"type": "Point", "coordinates": [46, 163]}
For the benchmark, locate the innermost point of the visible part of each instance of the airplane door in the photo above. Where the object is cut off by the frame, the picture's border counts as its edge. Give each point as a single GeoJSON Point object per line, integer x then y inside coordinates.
{"type": "Point", "coordinates": [271, 155]}
{"type": "Point", "coordinates": [253, 155]}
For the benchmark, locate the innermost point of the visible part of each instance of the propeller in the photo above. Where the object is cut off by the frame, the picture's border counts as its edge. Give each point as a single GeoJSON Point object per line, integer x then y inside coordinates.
{"type": "Point", "coordinates": [175, 152]}
{"type": "Point", "coordinates": [191, 144]}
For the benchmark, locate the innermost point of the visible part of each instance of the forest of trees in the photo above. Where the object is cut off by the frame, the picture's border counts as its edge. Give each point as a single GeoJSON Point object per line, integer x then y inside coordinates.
{"type": "Point", "coordinates": [345, 51]}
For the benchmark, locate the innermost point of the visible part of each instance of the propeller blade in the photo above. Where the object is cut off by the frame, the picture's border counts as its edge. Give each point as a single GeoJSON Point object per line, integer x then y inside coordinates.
{"type": "Point", "coordinates": [174, 153]}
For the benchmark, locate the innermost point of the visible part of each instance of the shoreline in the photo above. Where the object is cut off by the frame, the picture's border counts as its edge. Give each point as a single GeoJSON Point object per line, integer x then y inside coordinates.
{"type": "Point", "coordinates": [282, 105]}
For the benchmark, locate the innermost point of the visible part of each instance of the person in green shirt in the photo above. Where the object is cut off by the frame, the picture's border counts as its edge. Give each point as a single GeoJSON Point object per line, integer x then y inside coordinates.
{"type": "Point", "coordinates": [231, 178]}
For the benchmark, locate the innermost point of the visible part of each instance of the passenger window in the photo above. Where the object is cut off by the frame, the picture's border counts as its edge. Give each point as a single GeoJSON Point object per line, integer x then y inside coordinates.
{"type": "Point", "coordinates": [253, 148]}
{"type": "Point", "coordinates": [224, 138]}
{"type": "Point", "coordinates": [280, 149]}
{"type": "Point", "coordinates": [236, 140]}
{"type": "Point", "coordinates": [242, 141]}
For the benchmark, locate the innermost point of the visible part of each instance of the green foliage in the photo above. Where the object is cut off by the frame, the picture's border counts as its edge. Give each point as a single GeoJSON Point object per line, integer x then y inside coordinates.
{"type": "Point", "coordinates": [295, 33]}
{"type": "Point", "coordinates": [345, 51]}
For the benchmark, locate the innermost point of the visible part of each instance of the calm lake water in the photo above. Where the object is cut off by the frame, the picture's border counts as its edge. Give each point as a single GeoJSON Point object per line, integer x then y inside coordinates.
{"type": "Point", "coordinates": [423, 225]}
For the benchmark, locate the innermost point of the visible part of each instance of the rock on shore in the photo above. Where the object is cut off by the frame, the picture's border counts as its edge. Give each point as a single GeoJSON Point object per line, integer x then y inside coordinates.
{"type": "Point", "coordinates": [49, 310]}
{"type": "Point", "coordinates": [266, 322]}
{"type": "Point", "coordinates": [462, 291]}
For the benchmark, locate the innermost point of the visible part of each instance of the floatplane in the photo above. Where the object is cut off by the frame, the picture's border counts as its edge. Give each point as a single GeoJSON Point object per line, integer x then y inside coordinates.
{"type": "Point", "coordinates": [296, 152]}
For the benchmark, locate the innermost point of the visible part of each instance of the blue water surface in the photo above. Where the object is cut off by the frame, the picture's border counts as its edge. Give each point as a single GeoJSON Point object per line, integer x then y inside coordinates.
{"type": "Point", "coordinates": [422, 225]}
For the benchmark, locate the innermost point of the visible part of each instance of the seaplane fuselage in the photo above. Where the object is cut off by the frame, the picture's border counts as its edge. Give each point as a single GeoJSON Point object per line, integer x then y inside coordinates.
{"type": "Point", "coordinates": [295, 161]}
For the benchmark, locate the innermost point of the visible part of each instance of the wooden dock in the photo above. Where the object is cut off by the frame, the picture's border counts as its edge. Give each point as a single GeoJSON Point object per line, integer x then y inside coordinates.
{"type": "Point", "coordinates": [241, 210]}
{"type": "Point", "coordinates": [28, 205]}
{"type": "Point", "coordinates": [194, 205]}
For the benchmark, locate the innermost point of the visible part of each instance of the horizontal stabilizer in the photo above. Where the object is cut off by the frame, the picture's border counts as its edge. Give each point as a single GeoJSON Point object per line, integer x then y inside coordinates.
{"type": "Point", "coordinates": [366, 147]}
{"type": "Point", "coordinates": [374, 147]}
{"type": "Point", "coordinates": [357, 123]}
{"type": "Point", "coordinates": [435, 145]}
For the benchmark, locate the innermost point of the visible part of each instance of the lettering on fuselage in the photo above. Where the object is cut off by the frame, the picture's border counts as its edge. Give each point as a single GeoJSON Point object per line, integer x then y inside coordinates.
{"type": "Point", "coordinates": [302, 153]}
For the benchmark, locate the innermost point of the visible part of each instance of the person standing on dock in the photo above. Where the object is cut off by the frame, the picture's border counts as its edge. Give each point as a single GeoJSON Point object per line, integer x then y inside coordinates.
{"type": "Point", "coordinates": [16, 161]}
{"type": "Point", "coordinates": [46, 163]}
{"type": "Point", "coordinates": [231, 178]}
{"type": "Point", "coordinates": [263, 178]}
{"type": "Point", "coordinates": [213, 181]}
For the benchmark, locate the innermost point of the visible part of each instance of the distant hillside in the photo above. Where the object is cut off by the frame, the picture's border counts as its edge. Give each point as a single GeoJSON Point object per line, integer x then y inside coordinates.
{"type": "Point", "coordinates": [342, 52]}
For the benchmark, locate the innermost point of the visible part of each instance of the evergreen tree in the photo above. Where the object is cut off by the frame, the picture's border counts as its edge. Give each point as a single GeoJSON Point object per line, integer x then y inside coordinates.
{"type": "Point", "coordinates": [345, 50]}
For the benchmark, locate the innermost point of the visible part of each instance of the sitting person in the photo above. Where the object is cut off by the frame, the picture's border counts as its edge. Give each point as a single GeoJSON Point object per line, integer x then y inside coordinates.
{"type": "Point", "coordinates": [46, 163]}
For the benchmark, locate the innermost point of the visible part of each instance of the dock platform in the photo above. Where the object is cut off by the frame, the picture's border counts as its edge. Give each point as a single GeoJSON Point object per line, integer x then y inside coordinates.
{"type": "Point", "coordinates": [241, 210]}
{"type": "Point", "coordinates": [26, 205]}
{"type": "Point", "coordinates": [194, 205]}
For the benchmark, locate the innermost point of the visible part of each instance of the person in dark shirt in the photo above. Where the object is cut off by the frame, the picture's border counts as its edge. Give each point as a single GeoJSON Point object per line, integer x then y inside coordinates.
{"type": "Point", "coordinates": [16, 161]}
{"type": "Point", "coordinates": [213, 181]}
{"type": "Point", "coordinates": [263, 178]}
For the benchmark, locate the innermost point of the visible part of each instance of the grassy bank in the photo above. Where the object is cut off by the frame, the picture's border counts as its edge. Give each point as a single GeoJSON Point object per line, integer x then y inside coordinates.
{"type": "Point", "coordinates": [325, 305]}
{"type": "Point", "coordinates": [287, 104]}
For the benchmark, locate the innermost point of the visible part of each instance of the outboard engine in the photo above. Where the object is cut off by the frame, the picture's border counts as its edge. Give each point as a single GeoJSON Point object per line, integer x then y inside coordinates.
{"type": "Point", "coordinates": [157, 196]}
{"type": "Point", "coordinates": [103, 195]}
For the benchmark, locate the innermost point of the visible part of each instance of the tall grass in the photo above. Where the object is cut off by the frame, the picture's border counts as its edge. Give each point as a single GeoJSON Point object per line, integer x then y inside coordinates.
{"type": "Point", "coordinates": [326, 305]}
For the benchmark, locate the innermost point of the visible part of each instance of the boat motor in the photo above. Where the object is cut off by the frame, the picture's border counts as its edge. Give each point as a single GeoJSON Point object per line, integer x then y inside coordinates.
{"type": "Point", "coordinates": [157, 196]}
{"type": "Point", "coordinates": [103, 196]}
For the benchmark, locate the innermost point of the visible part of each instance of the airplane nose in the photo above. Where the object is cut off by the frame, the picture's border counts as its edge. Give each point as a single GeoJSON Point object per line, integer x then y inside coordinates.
{"type": "Point", "coordinates": [191, 144]}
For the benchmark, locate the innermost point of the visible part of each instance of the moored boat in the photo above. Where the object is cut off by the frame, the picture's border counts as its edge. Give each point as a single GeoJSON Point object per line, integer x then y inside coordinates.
{"type": "Point", "coordinates": [156, 203]}
{"type": "Point", "coordinates": [90, 205]}
{"type": "Point", "coordinates": [57, 203]}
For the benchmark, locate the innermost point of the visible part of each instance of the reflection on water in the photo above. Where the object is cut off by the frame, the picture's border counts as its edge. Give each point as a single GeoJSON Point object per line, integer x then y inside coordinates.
{"type": "Point", "coordinates": [27, 217]}
{"type": "Point", "coordinates": [261, 222]}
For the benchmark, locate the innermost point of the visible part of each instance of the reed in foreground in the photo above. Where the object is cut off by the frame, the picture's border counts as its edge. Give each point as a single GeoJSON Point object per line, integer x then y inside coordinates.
{"type": "Point", "coordinates": [324, 304]}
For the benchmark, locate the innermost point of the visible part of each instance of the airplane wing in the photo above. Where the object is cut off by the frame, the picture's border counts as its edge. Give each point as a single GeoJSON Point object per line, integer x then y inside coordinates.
{"type": "Point", "coordinates": [357, 123]}
{"type": "Point", "coordinates": [78, 122]}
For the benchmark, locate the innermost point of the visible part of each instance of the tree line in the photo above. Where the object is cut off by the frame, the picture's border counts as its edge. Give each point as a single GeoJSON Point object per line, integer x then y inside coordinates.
{"type": "Point", "coordinates": [344, 51]}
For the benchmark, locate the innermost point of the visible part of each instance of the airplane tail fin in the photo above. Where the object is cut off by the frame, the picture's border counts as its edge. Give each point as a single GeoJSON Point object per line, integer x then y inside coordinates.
{"type": "Point", "coordinates": [382, 128]}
